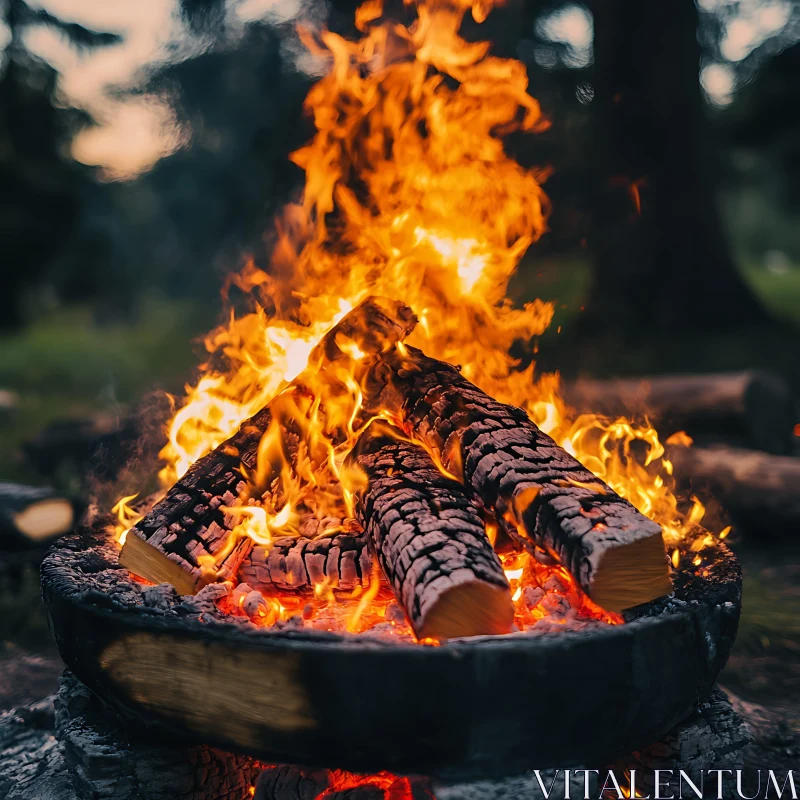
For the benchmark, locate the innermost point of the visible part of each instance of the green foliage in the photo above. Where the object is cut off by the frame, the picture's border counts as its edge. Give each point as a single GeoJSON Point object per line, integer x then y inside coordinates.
{"type": "Point", "coordinates": [563, 280]}
{"type": "Point", "coordinates": [66, 365]}
{"type": "Point", "coordinates": [780, 292]}
{"type": "Point", "coordinates": [765, 663]}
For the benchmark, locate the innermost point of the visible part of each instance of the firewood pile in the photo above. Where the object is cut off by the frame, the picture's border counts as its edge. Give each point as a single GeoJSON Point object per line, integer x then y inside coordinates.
{"type": "Point", "coordinates": [455, 468]}
{"type": "Point", "coordinates": [198, 668]}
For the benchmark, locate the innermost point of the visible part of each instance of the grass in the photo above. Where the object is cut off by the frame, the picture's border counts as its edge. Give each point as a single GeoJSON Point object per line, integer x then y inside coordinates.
{"type": "Point", "coordinates": [765, 663]}
{"type": "Point", "coordinates": [780, 292]}
{"type": "Point", "coordinates": [66, 365]}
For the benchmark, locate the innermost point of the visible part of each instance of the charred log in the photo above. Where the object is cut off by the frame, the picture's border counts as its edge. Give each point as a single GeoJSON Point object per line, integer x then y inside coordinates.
{"type": "Point", "coordinates": [167, 544]}
{"type": "Point", "coordinates": [189, 525]}
{"type": "Point", "coordinates": [542, 496]}
{"type": "Point", "coordinates": [759, 491]}
{"type": "Point", "coordinates": [429, 538]}
{"type": "Point", "coordinates": [754, 409]}
{"type": "Point", "coordinates": [341, 561]}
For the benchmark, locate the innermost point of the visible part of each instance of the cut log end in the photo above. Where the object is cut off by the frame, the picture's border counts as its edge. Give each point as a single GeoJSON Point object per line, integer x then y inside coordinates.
{"type": "Point", "coordinates": [631, 575]}
{"type": "Point", "coordinates": [45, 519]}
{"type": "Point", "coordinates": [148, 562]}
{"type": "Point", "coordinates": [541, 496]}
{"type": "Point", "coordinates": [471, 609]}
{"type": "Point", "coordinates": [428, 534]}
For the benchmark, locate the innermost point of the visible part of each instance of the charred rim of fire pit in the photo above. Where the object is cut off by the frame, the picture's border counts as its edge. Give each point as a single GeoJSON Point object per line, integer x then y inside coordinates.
{"type": "Point", "coordinates": [472, 708]}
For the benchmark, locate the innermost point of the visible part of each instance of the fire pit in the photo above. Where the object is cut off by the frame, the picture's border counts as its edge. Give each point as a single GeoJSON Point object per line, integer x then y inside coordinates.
{"type": "Point", "coordinates": [483, 706]}
{"type": "Point", "coordinates": [380, 544]}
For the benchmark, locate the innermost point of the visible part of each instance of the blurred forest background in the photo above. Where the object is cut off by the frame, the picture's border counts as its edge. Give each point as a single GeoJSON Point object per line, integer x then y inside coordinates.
{"type": "Point", "coordinates": [143, 153]}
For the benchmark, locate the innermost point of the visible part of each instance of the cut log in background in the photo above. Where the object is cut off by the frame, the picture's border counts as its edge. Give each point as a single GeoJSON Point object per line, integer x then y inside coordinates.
{"type": "Point", "coordinates": [30, 516]}
{"type": "Point", "coordinates": [761, 492]}
{"type": "Point", "coordinates": [543, 496]}
{"type": "Point", "coordinates": [750, 409]}
{"type": "Point", "coordinates": [166, 545]}
{"type": "Point", "coordinates": [429, 537]}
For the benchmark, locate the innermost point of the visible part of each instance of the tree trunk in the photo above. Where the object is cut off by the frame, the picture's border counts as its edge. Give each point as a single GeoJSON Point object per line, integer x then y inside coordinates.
{"type": "Point", "coordinates": [661, 262]}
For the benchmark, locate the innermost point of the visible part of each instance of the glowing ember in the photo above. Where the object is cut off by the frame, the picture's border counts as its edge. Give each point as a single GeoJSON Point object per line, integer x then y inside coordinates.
{"type": "Point", "coordinates": [411, 195]}
{"type": "Point", "coordinates": [330, 783]}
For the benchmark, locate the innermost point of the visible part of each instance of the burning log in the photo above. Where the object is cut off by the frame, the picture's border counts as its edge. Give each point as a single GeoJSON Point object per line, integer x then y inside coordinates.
{"type": "Point", "coordinates": [760, 491]}
{"type": "Point", "coordinates": [755, 409]}
{"type": "Point", "coordinates": [430, 540]}
{"type": "Point", "coordinates": [340, 561]}
{"type": "Point", "coordinates": [189, 526]}
{"type": "Point", "coordinates": [542, 496]}
{"type": "Point", "coordinates": [166, 545]}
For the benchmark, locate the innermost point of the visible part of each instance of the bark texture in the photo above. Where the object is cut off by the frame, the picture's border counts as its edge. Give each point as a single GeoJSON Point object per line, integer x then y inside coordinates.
{"type": "Point", "coordinates": [189, 522]}
{"type": "Point", "coordinates": [341, 561]}
{"type": "Point", "coordinates": [429, 537]}
{"type": "Point", "coordinates": [541, 495]}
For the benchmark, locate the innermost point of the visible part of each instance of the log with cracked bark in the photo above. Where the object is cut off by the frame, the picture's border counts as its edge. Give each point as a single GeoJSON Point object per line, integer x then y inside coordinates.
{"type": "Point", "coordinates": [542, 496]}
{"type": "Point", "coordinates": [429, 537]}
{"type": "Point", "coordinates": [340, 561]}
{"type": "Point", "coordinates": [169, 543]}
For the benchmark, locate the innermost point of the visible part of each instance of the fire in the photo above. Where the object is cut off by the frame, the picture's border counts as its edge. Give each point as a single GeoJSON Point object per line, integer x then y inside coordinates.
{"type": "Point", "coordinates": [127, 517]}
{"type": "Point", "coordinates": [409, 194]}
{"type": "Point", "coordinates": [384, 784]}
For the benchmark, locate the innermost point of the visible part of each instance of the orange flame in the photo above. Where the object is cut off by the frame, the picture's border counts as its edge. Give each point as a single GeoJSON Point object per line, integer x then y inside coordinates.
{"type": "Point", "coordinates": [126, 517]}
{"type": "Point", "coordinates": [409, 194]}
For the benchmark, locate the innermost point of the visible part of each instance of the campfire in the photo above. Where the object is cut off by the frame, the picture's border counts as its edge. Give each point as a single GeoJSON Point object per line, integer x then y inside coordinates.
{"type": "Point", "coordinates": [331, 465]}
{"type": "Point", "coordinates": [363, 482]}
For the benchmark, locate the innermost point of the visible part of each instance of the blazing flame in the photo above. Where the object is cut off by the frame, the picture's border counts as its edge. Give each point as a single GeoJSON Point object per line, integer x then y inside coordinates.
{"type": "Point", "coordinates": [409, 194]}
{"type": "Point", "coordinates": [126, 516]}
